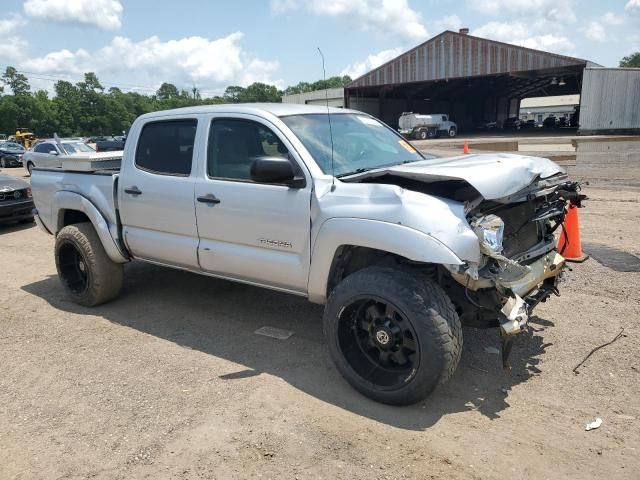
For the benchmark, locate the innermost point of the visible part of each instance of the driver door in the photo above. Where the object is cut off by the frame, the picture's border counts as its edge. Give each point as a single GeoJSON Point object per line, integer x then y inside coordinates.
{"type": "Point", "coordinates": [252, 232]}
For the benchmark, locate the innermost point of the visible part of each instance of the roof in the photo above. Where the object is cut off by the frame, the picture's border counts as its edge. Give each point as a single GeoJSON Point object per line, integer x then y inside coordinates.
{"type": "Point", "coordinates": [455, 55]}
{"type": "Point", "coordinates": [276, 109]}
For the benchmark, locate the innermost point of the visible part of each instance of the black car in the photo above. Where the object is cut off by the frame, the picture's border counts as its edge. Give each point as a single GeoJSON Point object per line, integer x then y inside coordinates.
{"type": "Point", "coordinates": [512, 123]}
{"type": "Point", "coordinates": [551, 122]}
{"type": "Point", "coordinates": [16, 204]}
{"type": "Point", "coordinates": [11, 154]}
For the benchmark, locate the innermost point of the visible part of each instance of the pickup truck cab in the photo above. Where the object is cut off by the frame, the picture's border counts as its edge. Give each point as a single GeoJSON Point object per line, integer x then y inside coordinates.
{"type": "Point", "coordinates": [401, 249]}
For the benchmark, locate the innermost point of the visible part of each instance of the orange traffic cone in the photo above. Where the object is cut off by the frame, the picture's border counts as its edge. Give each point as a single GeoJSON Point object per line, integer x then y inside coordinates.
{"type": "Point", "coordinates": [465, 149]}
{"type": "Point", "coordinates": [569, 245]}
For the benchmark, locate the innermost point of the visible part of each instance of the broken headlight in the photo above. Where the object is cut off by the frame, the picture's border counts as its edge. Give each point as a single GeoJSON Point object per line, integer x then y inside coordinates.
{"type": "Point", "coordinates": [490, 232]}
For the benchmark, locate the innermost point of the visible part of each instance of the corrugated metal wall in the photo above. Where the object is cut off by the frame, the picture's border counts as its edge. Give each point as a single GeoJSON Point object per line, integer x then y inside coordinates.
{"type": "Point", "coordinates": [454, 55]}
{"type": "Point", "coordinates": [335, 95]}
{"type": "Point", "coordinates": [610, 100]}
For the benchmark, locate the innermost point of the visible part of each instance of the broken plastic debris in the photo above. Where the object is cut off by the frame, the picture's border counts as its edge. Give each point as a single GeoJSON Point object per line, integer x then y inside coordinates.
{"type": "Point", "coordinates": [493, 350]}
{"type": "Point", "coordinates": [593, 425]}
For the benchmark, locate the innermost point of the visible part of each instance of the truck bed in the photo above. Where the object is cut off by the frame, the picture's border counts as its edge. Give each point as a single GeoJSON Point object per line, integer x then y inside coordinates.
{"type": "Point", "coordinates": [97, 186]}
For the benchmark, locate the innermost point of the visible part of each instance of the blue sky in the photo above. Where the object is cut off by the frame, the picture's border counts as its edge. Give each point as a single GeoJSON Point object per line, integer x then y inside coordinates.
{"type": "Point", "coordinates": [139, 44]}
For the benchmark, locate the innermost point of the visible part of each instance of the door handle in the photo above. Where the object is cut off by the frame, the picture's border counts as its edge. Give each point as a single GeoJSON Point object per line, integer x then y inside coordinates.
{"type": "Point", "coordinates": [209, 199]}
{"type": "Point", "coordinates": [135, 191]}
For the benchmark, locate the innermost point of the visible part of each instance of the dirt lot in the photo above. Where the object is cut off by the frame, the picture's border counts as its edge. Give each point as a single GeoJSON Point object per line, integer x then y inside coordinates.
{"type": "Point", "coordinates": [170, 381]}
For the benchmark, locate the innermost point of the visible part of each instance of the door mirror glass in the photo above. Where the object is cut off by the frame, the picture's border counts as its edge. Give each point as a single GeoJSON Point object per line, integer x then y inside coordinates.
{"type": "Point", "coordinates": [53, 152]}
{"type": "Point", "coordinates": [274, 170]}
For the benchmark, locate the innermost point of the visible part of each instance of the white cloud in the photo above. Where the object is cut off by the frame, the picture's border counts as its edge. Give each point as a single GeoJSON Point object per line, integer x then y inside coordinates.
{"type": "Point", "coordinates": [632, 5]}
{"type": "Point", "coordinates": [12, 45]}
{"type": "Point", "coordinates": [283, 6]}
{"type": "Point", "coordinates": [104, 14]}
{"type": "Point", "coordinates": [449, 22]}
{"type": "Point", "coordinates": [519, 33]}
{"type": "Point", "coordinates": [358, 69]}
{"type": "Point", "coordinates": [393, 18]}
{"type": "Point", "coordinates": [611, 18]}
{"type": "Point", "coordinates": [209, 64]}
{"type": "Point", "coordinates": [595, 32]}
{"type": "Point", "coordinates": [550, 10]}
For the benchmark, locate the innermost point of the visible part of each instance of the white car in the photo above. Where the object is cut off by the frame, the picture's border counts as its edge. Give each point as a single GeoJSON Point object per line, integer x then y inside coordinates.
{"type": "Point", "coordinates": [47, 153]}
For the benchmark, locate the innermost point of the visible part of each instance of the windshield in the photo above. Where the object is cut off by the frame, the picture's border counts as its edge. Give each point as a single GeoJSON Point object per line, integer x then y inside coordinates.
{"type": "Point", "coordinates": [77, 147]}
{"type": "Point", "coordinates": [360, 142]}
{"type": "Point", "coordinates": [12, 146]}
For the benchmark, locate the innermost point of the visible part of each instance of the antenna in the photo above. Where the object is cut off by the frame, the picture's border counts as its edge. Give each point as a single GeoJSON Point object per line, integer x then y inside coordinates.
{"type": "Point", "coordinates": [326, 97]}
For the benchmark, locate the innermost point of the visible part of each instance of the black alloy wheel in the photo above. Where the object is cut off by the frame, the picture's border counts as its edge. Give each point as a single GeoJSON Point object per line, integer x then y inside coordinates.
{"type": "Point", "coordinates": [378, 342]}
{"type": "Point", "coordinates": [73, 268]}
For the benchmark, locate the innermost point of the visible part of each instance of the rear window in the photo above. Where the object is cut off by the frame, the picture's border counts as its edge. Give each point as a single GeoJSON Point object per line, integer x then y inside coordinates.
{"type": "Point", "coordinates": [166, 148]}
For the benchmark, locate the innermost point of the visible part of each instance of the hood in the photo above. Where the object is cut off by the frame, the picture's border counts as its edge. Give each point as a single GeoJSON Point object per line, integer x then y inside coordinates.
{"type": "Point", "coordinates": [9, 184]}
{"type": "Point", "coordinates": [494, 176]}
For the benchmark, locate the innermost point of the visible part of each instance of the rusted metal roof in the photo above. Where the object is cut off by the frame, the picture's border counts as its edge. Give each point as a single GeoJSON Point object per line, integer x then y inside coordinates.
{"type": "Point", "coordinates": [454, 55]}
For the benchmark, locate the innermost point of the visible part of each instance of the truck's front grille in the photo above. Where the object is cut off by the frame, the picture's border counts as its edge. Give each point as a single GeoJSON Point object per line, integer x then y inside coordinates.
{"type": "Point", "coordinates": [520, 233]}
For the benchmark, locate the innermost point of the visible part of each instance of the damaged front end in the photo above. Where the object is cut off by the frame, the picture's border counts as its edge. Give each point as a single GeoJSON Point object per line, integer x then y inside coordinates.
{"type": "Point", "coordinates": [520, 265]}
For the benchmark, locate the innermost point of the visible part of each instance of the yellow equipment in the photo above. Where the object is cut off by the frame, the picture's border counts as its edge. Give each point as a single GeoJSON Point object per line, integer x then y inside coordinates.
{"type": "Point", "coordinates": [25, 138]}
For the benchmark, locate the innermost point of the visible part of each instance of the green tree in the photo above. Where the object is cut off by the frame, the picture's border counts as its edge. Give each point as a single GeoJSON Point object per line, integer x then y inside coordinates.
{"type": "Point", "coordinates": [167, 91]}
{"type": "Point", "coordinates": [17, 82]}
{"type": "Point", "coordinates": [631, 61]}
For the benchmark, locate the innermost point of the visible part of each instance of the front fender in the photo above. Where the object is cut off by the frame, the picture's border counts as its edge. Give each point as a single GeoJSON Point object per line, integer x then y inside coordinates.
{"type": "Point", "coordinates": [73, 201]}
{"type": "Point", "coordinates": [390, 237]}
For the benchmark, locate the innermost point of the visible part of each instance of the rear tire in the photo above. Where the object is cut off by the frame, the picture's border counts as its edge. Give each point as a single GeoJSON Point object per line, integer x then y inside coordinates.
{"type": "Point", "coordinates": [3, 163]}
{"type": "Point", "coordinates": [422, 135]}
{"type": "Point", "coordinates": [393, 334]}
{"type": "Point", "coordinates": [87, 273]}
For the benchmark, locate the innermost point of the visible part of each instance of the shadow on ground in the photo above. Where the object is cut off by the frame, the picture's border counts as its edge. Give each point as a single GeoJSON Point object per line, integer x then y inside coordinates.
{"type": "Point", "coordinates": [219, 318]}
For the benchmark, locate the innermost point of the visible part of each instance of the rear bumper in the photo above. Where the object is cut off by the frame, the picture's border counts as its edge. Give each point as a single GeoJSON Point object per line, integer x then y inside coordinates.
{"type": "Point", "coordinates": [15, 211]}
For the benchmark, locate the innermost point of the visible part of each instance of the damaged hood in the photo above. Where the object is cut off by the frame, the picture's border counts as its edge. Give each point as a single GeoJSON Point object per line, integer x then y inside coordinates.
{"type": "Point", "coordinates": [494, 176]}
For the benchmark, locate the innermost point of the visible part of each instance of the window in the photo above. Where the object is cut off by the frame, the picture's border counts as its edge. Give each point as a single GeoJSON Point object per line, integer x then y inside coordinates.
{"type": "Point", "coordinates": [44, 148]}
{"type": "Point", "coordinates": [76, 147]}
{"type": "Point", "coordinates": [167, 147]}
{"type": "Point", "coordinates": [234, 144]}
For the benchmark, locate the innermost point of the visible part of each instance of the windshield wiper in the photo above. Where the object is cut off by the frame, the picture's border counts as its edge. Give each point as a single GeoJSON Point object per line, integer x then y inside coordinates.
{"type": "Point", "coordinates": [357, 170]}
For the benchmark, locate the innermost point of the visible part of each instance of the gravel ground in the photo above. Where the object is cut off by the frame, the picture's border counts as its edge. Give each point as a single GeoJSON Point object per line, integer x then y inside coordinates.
{"type": "Point", "coordinates": [170, 381]}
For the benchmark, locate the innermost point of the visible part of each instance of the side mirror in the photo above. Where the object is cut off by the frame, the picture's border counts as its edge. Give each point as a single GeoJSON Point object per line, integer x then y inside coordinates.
{"type": "Point", "coordinates": [53, 152]}
{"type": "Point", "coordinates": [275, 170]}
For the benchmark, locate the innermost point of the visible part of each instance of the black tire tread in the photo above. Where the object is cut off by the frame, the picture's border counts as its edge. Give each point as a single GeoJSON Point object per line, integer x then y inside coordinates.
{"type": "Point", "coordinates": [106, 276]}
{"type": "Point", "coordinates": [422, 294]}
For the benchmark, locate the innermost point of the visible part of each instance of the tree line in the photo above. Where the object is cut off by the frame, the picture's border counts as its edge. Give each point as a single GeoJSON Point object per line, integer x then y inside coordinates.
{"type": "Point", "coordinates": [87, 108]}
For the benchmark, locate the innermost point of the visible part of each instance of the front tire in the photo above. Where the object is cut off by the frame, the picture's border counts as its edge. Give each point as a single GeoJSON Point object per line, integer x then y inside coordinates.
{"type": "Point", "coordinates": [452, 132]}
{"type": "Point", "coordinates": [87, 273]}
{"type": "Point", "coordinates": [393, 334]}
{"type": "Point", "coordinates": [30, 168]}
{"type": "Point", "coordinates": [3, 163]}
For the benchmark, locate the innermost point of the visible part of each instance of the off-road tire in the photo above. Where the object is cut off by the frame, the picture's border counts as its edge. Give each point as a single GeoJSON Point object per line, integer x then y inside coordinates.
{"type": "Point", "coordinates": [104, 276]}
{"type": "Point", "coordinates": [428, 309]}
{"type": "Point", "coordinates": [30, 168]}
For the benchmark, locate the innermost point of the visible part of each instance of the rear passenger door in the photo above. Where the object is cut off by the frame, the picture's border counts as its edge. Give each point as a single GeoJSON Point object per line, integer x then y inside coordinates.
{"type": "Point", "coordinates": [155, 194]}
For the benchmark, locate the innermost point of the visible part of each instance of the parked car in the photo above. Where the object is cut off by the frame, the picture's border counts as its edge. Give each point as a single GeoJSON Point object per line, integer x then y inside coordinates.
{"type": "Point", "coordinates": [512, 123]}
{"type": "Point", "coordinates": [486, 125]}
{"type": "Point", "coordinates": [11, 154]}
{"type": "Point", "coordinates": [415, 125]}
{"type": "Point", "coordinates": [46, 152]}
{"type": "Point", "coordinates": [16, 203]}
{"type": "Point", "coordinates": [401, 249]}
{"type": "Point", "coordinates": [528, 124]}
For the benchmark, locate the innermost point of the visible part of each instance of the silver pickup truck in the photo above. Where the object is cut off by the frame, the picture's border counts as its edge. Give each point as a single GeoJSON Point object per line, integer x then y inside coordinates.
{"type": "Point", "coordinates": [329, 204]}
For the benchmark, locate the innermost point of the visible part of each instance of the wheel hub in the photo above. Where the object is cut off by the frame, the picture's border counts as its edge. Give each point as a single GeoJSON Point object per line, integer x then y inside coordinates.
{"type": "Point", "coordinates": [383, 336]}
